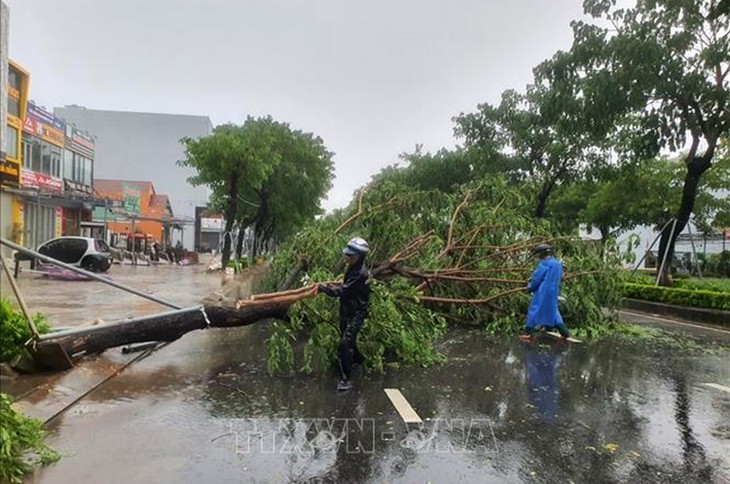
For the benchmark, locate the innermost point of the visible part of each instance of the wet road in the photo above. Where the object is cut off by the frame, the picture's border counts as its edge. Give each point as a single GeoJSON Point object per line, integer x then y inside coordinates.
{"type": "Point", "coordinates": [204, 409]}
{"type": "Point", "coordinates": [73, 303]}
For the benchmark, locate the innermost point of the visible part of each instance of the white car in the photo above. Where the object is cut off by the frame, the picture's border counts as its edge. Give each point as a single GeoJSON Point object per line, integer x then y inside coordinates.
{"type": "Point", "coordinates": [90, 254]}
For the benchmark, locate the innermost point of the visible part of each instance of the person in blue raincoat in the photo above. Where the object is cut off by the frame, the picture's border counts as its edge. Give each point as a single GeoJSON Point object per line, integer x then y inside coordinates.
{"type": "Point", "coordinates": [545, 288]}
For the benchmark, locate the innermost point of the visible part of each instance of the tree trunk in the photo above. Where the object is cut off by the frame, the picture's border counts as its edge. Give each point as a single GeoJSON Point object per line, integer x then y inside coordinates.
{"type": "Point", "coordinates": [230, 219]}
{"type": "Point", "coordinates": [239, 241]}
{"type": "Point", "coordinates": [696, 166]}
{"type": "Point", "coordinates": [605, 234]}
{"type": "Point", "coordinates": [542, 197]}
{"type": "Point", "coordinates": [163, 327]}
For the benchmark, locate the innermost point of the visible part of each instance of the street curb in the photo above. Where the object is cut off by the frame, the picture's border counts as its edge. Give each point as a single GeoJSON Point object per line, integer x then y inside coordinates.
{"type": "Point", "coordinates": [715, 317]}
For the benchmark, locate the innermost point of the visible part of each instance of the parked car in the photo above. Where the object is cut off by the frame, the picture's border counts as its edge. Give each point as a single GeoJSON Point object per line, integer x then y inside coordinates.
{"type": "Point", "coordinates": [93, 255]}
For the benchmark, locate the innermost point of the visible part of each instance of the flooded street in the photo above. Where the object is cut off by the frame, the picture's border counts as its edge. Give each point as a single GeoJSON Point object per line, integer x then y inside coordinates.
{"type": "Point", "coordinates": [205, 409]}
{"type": "Point", "coordinates": [72, 303]}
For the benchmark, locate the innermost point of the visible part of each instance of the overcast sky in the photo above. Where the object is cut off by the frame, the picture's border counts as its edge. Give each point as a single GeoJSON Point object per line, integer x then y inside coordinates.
{"type": "Point", "coordinates": [373, 78]}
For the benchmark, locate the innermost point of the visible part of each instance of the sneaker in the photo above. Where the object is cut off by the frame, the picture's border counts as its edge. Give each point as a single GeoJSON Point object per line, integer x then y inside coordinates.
{"type": "Point", "coordinates": [344, 385]}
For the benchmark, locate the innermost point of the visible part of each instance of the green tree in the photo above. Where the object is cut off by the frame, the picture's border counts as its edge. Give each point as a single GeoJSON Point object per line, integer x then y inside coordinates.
{"type": "Point", "coordinates": [231, 161]}
{"type": "Point", "coordinates": [261, 173]}
{"type": "Point", "coordinates": [535, 137]}
{"type": "Point", "coordinates": [444, 170]}
{"type": "Point", "coordinates": [653, 77]}
{"type": "Point", "coordinates": [290, 196]}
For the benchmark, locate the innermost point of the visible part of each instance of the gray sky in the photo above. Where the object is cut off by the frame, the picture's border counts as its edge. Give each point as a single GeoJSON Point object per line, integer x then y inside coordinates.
{"type": "Point", "coordinates": [373, 78]}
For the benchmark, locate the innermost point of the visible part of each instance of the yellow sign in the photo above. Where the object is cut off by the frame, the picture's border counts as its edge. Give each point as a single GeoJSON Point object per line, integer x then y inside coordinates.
{"type": "Point", "coordinates": [59, 222]}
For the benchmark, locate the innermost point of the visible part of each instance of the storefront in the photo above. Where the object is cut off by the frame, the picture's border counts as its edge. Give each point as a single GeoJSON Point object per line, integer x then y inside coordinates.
{"type": "Point", "coordinates": [40, 176]}
{"type": "Point", "coordinates": [41, 222]}
{"type": "Point", "coordinates": [78, 166]}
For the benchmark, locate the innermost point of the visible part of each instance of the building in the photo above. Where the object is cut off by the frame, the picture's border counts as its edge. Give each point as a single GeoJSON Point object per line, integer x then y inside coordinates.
{"type": "Point", "coordinates": [134, 146]}
{"type": "Point", "coordinates": [135, 207]}
{"type": "Point", "coordinates": [56, 196]}
{"type": "Point", "coordinates": [46, 164]}
{"type": "Point", "coordinates": [17, 83]}
{"type": "Point", "coordinates": [46, 173]}
{"type": "Point", "coordinates": [209, 229]}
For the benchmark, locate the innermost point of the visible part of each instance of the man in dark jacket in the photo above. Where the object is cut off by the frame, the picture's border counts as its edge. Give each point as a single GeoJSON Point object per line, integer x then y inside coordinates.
{"type": "Point", "coordinates": [354, 294]}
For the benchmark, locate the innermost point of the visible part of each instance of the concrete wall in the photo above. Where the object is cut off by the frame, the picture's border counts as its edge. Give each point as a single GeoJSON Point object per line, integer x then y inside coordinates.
{"type": "Point", "coordinates": [145, 146]}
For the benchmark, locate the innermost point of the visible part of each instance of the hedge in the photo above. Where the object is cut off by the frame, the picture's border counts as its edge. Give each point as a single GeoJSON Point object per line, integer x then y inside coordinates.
{"type": "Point", "coordinates": [679, 297]}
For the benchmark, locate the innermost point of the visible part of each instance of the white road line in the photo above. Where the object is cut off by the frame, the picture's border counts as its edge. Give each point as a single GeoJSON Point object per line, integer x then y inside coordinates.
{"type": "Point", "coordinates": [674, 321]}
{"type": "Point", "coordinates": [718, 387]}
{"type": "Point", "coordinates": [402, 406]}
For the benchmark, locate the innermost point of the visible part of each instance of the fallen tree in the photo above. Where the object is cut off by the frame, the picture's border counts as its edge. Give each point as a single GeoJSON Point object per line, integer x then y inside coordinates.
{"type": "Point", "coordinates": [160, 327]}
{"type": "Point", "coordinates": [461, 257]}
{"type": "Point", "coordinates": [436, 257]}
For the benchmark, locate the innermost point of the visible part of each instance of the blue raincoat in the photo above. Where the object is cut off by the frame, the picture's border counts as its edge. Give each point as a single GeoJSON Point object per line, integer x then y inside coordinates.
{"type": "Point", "coordinates": [545, 288]}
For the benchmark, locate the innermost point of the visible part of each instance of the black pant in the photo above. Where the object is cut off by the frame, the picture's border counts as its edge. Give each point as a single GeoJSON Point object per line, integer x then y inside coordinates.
{"type": "Point", "coordinates": [349, 354]}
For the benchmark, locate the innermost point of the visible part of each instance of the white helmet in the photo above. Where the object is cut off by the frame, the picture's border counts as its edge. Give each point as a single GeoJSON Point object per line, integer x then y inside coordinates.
{"type": "Point", "coordinates": [356, 246]}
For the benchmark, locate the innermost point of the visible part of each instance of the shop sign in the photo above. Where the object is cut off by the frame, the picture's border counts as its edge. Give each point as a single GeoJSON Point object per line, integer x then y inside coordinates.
{"type": "Point", "coordinates": [102, 214]}
{"type": "Point", "coordinates": [59, 222]}
{"type": "Point", "coordinates": [43, 124]}
{"type": "Point", "coordinates": [40, 181]}
{"type": "Point", "coordinates": [9, 173]}
{"type": "Point", "coordinates": [80, 142]}
{"type": "Point", "coordinates": [131, 198]}
{"type": "Point", "coordinates": [72, 186]}
{"type": "Point", "coordinates": [211, 223]}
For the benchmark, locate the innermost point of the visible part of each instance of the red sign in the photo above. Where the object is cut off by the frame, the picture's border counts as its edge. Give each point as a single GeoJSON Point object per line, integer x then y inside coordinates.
{"type": "Point", "coordinates": [43, 131]}
{"type": "Point", "coordinates": [40, 181]}
{"type": "Point", "coordinates": [32, 126]}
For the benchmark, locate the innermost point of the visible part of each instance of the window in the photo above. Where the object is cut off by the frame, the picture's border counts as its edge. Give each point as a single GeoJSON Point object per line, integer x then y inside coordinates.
{"type": "Point", "coordinates": [78, 167]}
{"type": "Point", "coordinates": [27, 149]}
{"type": "Point", "coordinates": [45, 158]}
{"type": "Point", "coordinates": [42, 157]}
{"type": "Point", "coordinates": [12, 134]}
{"type": "Point", "coordinates": [35, 154]}
{"type": "Point", "coordinates": [55, 161]}
{"type": "Point", "coordinates": [13, 79]}
{"type": "Point", "coordinates": [13, 106]}
{"type": "Point", "coordinates": [87, 172]}
{"type": "Point", "coordinates": [68, 164]}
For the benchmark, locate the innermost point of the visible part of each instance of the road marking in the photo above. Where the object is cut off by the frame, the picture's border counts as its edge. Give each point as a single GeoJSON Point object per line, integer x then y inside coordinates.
{"type": "Point", "coordinates": [674, 321]}
{"type": "Point", "coordinates": [402, 406]}
{"type": "Point", "coordinates": [717, 387]}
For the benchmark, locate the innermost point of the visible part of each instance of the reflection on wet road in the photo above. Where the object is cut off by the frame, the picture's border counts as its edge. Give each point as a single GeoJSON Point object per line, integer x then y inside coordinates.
{"type": "Point", "coordinates": [204, 409]}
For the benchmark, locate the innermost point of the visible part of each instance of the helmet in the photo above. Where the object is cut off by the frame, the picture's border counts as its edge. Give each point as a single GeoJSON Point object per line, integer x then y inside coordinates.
{"type": "Point", "coordinates": [542, 249]}
{"type": "Point", "coordinates": [356, 246]}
